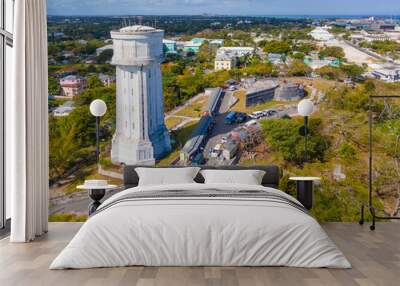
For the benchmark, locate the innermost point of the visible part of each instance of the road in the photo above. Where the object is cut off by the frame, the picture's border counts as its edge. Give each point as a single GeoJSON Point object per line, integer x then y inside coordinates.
{"type": "Point", "coordinates": [76, 202]}
{"type": "Point", "coordinates": [220, 128]}
{"type": "Point", "coordinates": [367, 52]}
{"type": "Point", "coordinates": [356, 54]}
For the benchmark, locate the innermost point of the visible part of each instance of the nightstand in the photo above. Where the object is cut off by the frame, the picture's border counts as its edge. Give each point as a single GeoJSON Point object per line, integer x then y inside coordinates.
{"type": "Point", "coordinates": [96, 193]}
{"type": "Point", "coordinates": [305, 192]}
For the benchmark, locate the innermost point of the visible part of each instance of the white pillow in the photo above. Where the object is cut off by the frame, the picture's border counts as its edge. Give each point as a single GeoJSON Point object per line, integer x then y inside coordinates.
{"type": "Point", "coordinates": [247, 177]}
{"type": "Point", "coordinates": [166, 176]}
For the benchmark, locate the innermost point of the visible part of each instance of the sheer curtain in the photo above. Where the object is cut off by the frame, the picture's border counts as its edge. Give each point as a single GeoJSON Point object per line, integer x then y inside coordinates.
{"type": "Point", "coordinates": [27, 153]}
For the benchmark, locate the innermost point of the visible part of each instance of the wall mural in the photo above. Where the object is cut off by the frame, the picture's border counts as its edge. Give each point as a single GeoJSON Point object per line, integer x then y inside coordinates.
{"type": "Point", "coordinates": [181, 93]}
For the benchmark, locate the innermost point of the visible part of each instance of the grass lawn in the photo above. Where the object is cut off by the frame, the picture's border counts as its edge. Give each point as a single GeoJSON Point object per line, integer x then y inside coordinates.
{"type": "Point", "coordinates": [321, 84]}
{"type": "Point", "coordinates": [172, 121]}
{"type": "Point", "coordinates": [194, 109]}
{"type": "Point", "coordinates": [86, 173]}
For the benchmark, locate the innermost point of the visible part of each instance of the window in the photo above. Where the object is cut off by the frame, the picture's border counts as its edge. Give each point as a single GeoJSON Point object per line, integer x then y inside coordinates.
{"type": "Point", "coordinates": [6, 42]}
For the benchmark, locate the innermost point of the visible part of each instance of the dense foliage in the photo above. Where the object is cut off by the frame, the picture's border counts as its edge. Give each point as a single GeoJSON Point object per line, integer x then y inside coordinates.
{"type": "Point", "coordinates": [336, 52]}
{"type": "Point", "coordinates": [383, 47]}
{"type": "Point", "coordinates": [344, 71]}
{"type": "Point", "coordinates": [284, 137]}
{"type": "Point", "coordinates": [277, 47]}
{"type": "Point", "coordinates": [72, 138]}
{"type": "Point", "coordinates": [298, 68]}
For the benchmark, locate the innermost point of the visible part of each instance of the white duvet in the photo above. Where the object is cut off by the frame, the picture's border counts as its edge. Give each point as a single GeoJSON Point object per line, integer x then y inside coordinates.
{"type": "Point", "coordinates": [202, 232]}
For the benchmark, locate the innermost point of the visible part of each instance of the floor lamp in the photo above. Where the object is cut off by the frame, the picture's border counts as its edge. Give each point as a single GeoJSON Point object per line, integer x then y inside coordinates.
{"type": "Point", "coordinates": [305, 108]}
{"type": "Point", "coordinates": [98, 108]}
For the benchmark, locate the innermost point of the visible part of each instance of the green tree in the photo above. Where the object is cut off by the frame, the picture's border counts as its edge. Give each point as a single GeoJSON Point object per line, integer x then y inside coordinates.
{"type": "Point", "coordinates": [283, 136]}
{"type": "Point", "coordinates": [306, 48]}
{"type": "Point", "coordinates": [336, 52]}
{"type": "Point", "coordinates": [298, 68]}
{"type": "Point", "coordinates": [383, 47]}
{"type": "Point", "coordinates": [217, 79]}
{"type": "Point", "coordinates": [344, 98]}
{"type": "Point", "coordinates": [352, 70]}
{"type": "Point", "coordinates": [53, 86]}
{"type": "Point", "coordinates": [206, 55]}
{"type": "Point", "coordinates": [94, 81]}
{"type": "Point", "coordinates": [259, 69]}
{"type": "Point", "coordinates": [331, 73]}
{"type": "Point", "coordinates": [298, 56]}
{"type": "Point", "coordinates": [105, 56]}
{"type": "Point", "coordinates": [278, 47]}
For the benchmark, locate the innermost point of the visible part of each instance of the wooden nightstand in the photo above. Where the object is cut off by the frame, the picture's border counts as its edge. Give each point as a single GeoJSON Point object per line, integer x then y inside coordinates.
{"type": "Point", "coordinates": [305, 192]}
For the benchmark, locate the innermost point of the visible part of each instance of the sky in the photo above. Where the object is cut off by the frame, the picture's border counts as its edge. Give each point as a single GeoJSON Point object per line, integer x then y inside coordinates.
{"type": "Point", "coordinates": [223, 7]}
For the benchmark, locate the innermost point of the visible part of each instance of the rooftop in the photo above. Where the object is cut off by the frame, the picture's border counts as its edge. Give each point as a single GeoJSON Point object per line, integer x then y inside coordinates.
{"type": "Point", "coordinates": [137, 28]}
{"type": "Point", "coordinates": [375, 258]}
{"type": "Point", "coordinates": [261, 85]}
{"type": "Point", "coordinates": [223, 57]}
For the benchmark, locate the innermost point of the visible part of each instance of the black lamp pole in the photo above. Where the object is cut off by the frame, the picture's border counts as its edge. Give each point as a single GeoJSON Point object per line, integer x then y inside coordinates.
{"type": "Point", "coordinates": [305, 138]}
{"type": "Point", "coordinates": [98, 108]}
{"type": "Point", "coordinates": [97, 139]}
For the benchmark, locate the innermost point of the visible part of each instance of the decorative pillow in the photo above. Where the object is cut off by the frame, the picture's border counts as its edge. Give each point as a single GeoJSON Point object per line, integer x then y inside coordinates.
{"type": "Point", "coordinates": [166, 176]}
{"type": "Point", "coordinates": [247, 177]}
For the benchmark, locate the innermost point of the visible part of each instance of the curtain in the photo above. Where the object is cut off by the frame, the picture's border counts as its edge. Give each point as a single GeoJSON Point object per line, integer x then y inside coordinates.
{"type": "Point", "coordinates": [26, 119]}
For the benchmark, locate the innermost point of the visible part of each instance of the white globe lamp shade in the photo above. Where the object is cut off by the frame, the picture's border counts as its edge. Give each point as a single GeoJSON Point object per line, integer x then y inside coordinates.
{"type": "Point", "coordinates": [305, 107]}
{"type": "Point", "coordinates": [98, 108]}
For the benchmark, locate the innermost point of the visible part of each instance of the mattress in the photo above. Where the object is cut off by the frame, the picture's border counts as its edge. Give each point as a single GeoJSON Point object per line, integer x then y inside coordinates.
{"type": "Point", "coordinates": [201, 225]}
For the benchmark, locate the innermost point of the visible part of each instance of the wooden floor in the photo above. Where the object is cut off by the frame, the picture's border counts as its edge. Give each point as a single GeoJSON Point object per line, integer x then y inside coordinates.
{"type": "Point", "coordinates": [375, 257]}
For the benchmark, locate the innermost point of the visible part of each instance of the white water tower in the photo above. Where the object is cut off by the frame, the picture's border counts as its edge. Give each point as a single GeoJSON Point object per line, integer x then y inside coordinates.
{"type": "Point", "coordinates": [141, 135]}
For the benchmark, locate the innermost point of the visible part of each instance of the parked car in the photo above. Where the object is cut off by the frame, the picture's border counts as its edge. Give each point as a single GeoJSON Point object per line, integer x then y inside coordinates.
{"type": "Point", "coordinates": [231, 88]}
{"type": "Point", "coordinates": [241, 117]}
{"type": "Point", "coordinates": [269, 112]}
{"type": "Point", "coordinates": [265, 112]}
{"type": "Point", "coordinates": [257, 114]}
{"type": "Point", "coordinates": [273, 112]}
{"type": "Point", "coordinates": [251, 123]}
{"type": "Point", "coordinates": [231, 118]}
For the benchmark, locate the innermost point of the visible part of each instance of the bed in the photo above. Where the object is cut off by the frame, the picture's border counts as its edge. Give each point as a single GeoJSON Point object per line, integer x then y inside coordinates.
{"type": "Point", "coordinates": [201, 224]}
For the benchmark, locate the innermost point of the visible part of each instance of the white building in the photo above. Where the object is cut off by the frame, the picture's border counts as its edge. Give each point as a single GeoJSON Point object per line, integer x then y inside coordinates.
{"type": "Point", "coordinates": [370, 37]}
{"type": "Point", "coordinates": [72, 85]}
{"type": "Point", "coordinates": [226, 57]}
{"type": "Point", "coordinates": [236, 51]}
{"type": "Point", "coordinates": [321, 34]}
{"type": "Point", "coordinates": [224, 62]}
{"type": "Point", "coordinates": [141, 135]}
{"type": "Point", "coordinates": [217, 42]}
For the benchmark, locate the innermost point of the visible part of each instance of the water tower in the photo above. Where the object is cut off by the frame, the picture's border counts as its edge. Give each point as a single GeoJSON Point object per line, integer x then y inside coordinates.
{"type": "Point", "coordinates": [141, 135]}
